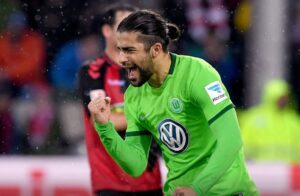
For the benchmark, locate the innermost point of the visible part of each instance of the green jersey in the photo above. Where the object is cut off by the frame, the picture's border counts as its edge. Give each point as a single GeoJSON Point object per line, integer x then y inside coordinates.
{"type": "Point", "coordinates": [179, 116]}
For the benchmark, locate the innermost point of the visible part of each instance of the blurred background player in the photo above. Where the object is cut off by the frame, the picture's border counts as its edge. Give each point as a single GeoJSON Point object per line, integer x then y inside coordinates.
{"type": "Point", "coordinates": [271, 129]}
{"type": "Point", "coordinates": [105, 77]}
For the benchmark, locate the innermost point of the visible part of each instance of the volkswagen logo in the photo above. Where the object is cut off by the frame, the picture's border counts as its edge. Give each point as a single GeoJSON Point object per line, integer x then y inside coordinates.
{"type": "Point", "coordinates": [173, 135]}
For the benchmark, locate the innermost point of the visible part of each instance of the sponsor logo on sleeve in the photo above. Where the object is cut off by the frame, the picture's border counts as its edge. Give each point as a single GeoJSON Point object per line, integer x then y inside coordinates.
{"type": "Point", "coordinates": [216, 92]}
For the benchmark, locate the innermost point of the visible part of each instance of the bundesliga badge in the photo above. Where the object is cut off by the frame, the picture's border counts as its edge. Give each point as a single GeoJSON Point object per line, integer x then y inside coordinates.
{"type": "Point", "coordinates": [216, 92]}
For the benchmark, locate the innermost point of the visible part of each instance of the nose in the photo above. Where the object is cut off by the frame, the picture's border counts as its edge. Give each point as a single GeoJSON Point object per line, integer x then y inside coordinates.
{"type": "Point", "coordinates": [122, 58]}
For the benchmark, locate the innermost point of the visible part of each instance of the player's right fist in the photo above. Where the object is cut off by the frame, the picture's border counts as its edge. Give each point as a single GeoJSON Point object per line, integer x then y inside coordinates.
{"type": "Point", "coordinates": [100, 109]}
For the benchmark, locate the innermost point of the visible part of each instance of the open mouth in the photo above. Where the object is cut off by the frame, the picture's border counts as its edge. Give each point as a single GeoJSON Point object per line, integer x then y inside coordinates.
{"type": "Point", "coordinates": [132, 68]}
{"type": "Point", "coordinates": [132, 72]}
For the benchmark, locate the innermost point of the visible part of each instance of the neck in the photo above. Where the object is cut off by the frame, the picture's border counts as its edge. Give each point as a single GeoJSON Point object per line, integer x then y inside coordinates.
{"type": "Point", "coordinates": [112, 53]}
{"type": "Point", "coordinates": [161, 69]}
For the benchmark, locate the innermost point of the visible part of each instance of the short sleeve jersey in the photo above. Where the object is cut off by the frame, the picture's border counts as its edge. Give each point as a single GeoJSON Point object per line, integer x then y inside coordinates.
{"type": "Point", "coordinates": [178, 115]}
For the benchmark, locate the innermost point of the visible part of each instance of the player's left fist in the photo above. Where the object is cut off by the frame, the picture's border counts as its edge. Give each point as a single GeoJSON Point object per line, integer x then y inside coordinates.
{"type": "Point", "coordinates": [184, 191]}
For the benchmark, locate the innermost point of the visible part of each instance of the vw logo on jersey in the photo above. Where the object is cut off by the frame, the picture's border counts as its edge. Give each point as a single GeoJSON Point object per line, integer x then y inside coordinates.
{"type": "Point", "coordinates": [173, 135]}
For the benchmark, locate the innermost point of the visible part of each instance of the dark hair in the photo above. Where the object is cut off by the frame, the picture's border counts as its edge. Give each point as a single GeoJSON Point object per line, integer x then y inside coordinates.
{"type": "Point", "coordinates": [109, 14]}
{"type": "Point", "coordinates": [153, 28]}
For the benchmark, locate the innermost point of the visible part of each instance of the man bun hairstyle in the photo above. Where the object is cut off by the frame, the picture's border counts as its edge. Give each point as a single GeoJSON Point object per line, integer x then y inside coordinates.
{"type": "Point", "coordinates": [152, 28]}
{"type": "Point", "coordinates": [173, 32]}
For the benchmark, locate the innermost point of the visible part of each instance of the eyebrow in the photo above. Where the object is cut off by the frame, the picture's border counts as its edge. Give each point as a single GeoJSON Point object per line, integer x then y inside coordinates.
{"type": "Point", "coordinates": [126, 48]}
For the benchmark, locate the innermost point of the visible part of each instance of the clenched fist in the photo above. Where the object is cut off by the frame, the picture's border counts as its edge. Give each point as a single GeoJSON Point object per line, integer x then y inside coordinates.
{"type": "Point", "coordinates": [100, 109]}
{"type": "Point", "coordinates": [184, 191]}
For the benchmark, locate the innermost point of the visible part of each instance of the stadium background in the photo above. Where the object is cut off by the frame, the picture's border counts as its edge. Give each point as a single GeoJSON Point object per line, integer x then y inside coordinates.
{"type": "Point", "coordinates": [41, 136]}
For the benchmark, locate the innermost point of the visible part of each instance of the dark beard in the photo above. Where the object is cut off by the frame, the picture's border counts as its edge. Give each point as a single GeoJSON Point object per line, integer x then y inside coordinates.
{"type": "Point", "coordinates": [145, 76]}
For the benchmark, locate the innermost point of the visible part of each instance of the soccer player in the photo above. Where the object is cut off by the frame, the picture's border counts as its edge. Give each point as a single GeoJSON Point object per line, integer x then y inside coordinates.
{"type": "Point", "coordinates": [180, 102]}
{"type": "Point", "coordinates": [105, 77]}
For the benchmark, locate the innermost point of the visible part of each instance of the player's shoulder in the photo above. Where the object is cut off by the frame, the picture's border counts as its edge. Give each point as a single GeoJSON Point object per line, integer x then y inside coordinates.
{"type": "Point", "coordinates": [192, 64]}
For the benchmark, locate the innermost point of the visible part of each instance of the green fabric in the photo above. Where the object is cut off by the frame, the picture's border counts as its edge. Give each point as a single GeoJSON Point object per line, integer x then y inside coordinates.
{"type": "Point", "coordinates": [177, 115]}
{"type": "Point", "coordinates": [131, 155]}
{"type": "Point", "coordinates": [220, 114]}
{"type": "Point", "coordinates": [216, 177]}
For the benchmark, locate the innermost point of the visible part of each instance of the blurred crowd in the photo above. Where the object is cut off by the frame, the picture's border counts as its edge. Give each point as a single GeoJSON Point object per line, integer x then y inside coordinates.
{"type": "Point", "coordinates": [43, 43]}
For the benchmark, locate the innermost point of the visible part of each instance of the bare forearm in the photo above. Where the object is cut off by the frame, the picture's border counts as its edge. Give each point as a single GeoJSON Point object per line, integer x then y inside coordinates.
{"type": "Point", "coordinates": [119, 121]}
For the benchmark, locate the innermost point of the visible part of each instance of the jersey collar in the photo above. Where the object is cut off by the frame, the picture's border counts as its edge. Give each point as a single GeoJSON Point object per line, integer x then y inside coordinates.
{"type": "Point", "coordinates": [173, 61]}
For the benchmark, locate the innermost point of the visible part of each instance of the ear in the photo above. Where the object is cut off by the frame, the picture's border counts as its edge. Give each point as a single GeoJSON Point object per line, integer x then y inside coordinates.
{"type": "Point", "coordinates": [156, 49]}
{"type": "Point", "coordinates": [106, 30]}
